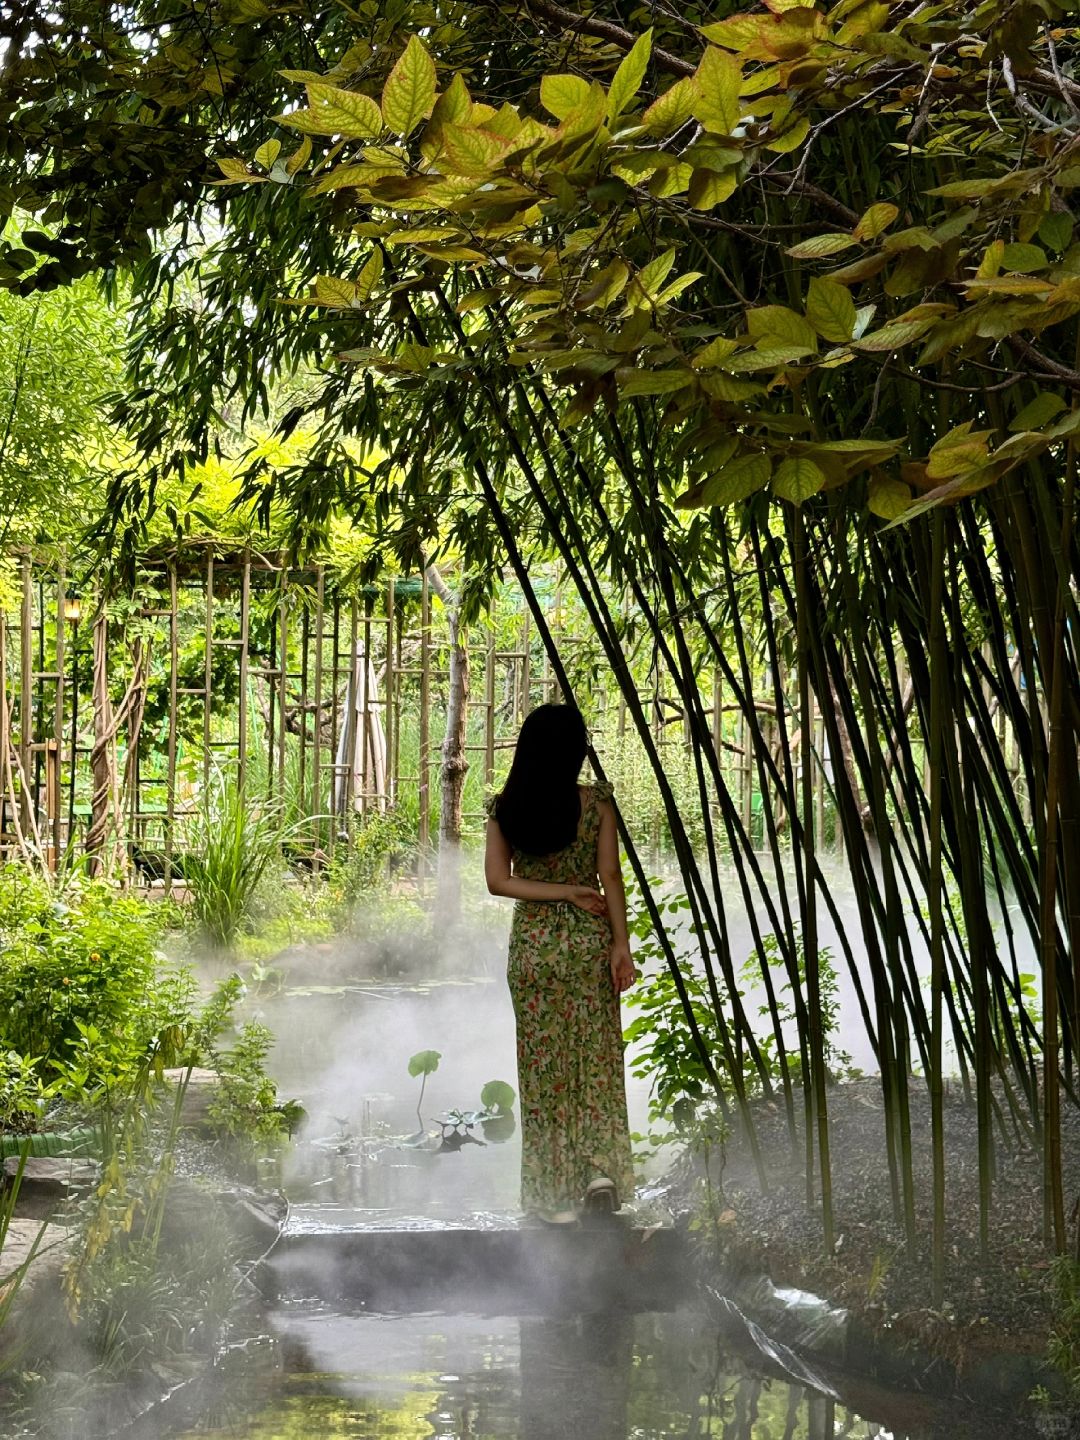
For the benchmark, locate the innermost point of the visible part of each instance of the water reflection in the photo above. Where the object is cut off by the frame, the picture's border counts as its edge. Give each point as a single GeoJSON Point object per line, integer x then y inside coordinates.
{"type": "Point", "coordinates": [605, 1377]}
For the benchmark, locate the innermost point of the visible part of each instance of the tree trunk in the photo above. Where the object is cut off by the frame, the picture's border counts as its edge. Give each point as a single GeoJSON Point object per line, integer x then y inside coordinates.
{"type": "Point", "coordinates": [455, 762]}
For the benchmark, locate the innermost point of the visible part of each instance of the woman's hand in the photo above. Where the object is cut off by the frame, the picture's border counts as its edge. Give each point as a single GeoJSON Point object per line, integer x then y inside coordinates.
{"type": "Point", "coordinates": [586, 898]}
{"type": "Point", "coordinates": [623, 973]}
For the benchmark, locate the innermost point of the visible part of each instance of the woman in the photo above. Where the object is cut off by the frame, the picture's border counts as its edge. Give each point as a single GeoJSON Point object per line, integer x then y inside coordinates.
{"type": "Point", "coordinates": [549, 842]}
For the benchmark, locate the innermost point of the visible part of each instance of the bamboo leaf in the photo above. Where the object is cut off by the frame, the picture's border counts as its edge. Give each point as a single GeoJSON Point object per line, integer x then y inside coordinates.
{"type": "Point", "coordinates": [409, 93]}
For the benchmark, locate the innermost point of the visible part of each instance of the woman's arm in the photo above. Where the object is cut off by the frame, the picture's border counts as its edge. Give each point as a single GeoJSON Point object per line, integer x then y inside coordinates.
{"type": "Point", "coordinates": [501, 880]}
{"type": "Point", "coordinates": [609, 869]}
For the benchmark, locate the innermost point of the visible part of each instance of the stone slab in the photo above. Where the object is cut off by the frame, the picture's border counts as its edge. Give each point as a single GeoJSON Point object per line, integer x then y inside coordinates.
{"type": "Point", "coordinates": [508, 1271]}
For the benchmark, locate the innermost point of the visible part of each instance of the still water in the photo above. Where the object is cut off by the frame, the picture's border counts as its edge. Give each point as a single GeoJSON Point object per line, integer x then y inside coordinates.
{"type": "Point", "coordinates": [600, 1377]}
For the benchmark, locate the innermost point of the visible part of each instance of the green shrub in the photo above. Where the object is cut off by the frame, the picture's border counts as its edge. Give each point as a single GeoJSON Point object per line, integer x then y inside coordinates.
{"type": "Point", "coordinates": [79, 970]}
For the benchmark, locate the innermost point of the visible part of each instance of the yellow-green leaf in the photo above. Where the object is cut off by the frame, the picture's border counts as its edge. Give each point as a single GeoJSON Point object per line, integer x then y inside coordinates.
{"type": "Point", "coordinates": [710, 187]}
{"type": "Point", "coordinates": [675, 289]}
{"type": "Point", "coordinates": [605, 287]}
{"type": "Point", "coordinates": [300, 156]}
{"type": "Point", "coordinates": [1038, 412]}
{"type": "Point", "coordinates": [737, 480]}
{"type": "Point", "coordinates": [796, 479]}
{"type": "Point", "coordinates": [409, 93]}
{"type": "Point", "coordinates": [454, 104]}
{"type": "Point", "coordinates": [267, 153]}
{"type": "Point", "coordinates": [894, 336]}
{"type": "Point", "coordinates": [1023, 258]}
{"type": "Point", "coordinates": [789, 136]}
{"type": "Point", "coordinates": [673, 109]}
{"type": "Point", "coordinates": [819, 246]}
{"type": "Point", "coordinates": [715, 353]}
{"type": "Point", "coordinates": [651, 382]}
{"type": "Point", "coordinates": [343, 112]}
{"type": "Point", "coordinates": [560, 94]}
{"type": "Point", "coordinates": [888, 497]}
{"type": "Point", "coordinates": [369, 276]}
{"type": "Point", "coordinates": [875, 220]}
{"type": "Point", "coordinates": [471, 152]}
{"type": "Point", "coordinates": [650, 278]}
{"type": "Point", "coordinates": [779, 323]}
{"type": "Point", "coordinates": [331, 291]}
{"type": "Point", "coordinates": [235, 170]}
{"type": "Point", "coordinates": [628, 77]}
{"type": "Point", "coordinates": [956, 452]}
{"type": "Point", "coordinates": [831, 310]}
{"type": "Point", "coordinates": [716, 103]}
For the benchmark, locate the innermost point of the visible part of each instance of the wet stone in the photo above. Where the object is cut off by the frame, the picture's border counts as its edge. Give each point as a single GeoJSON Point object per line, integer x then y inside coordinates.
{"type": "Point", "coordinates": [47, 1182]}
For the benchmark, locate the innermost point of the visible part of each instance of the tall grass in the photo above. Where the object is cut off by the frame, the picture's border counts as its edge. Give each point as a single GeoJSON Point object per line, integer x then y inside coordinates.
{"type": "Point", "coordinates": [234, 842]}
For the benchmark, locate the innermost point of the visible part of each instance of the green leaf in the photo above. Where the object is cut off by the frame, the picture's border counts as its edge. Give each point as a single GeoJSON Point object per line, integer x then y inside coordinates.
{"type": "Point", "coordinates": [780, 323]}
{"type": "Point", "coordinates": [409, 93]}
{"type": "Point", "coordinates": [959, 450]}
{"type": "Point", "coordinates": [605, 287]}
{"type": "Point", "coordinates": [716, 102]}
{"type": "Point", "coordinates": [737, 480]}
{"type": "Point", "coordinates": [831, 310]}
{"type": "Point", "coordinates": [650, 278]}
{"type": "Point", "coordinates": [873, 221]}
{"type": "Point", "coordinates": [710, 187]}
{"type": "Point", "coordinates": [370, 275]}
{"type": "Point", "coordinates": [628, 77]}
{"type": "Point", "coordinates": [561, 94]}
{"type": "Point", "coordinates": [1056, 231]}
{"type": "Point", "coordinates": [673, 109]}
{"type": "Point", "coordinates": [338, 112]}
{"type": "Point", "coordinates": [819, 246]}
{"type": "Point", "coordinates": [1022, 259]}
{"type": "Point", "coordinates": [796, 479]}
{"type": "Point", "coordinates": [469, 151]}
{"type": "Point", "coordinates": [497, 1095]}
{"type": "Point", "coordinates": [651, 382]}
{"type": "Point", "coordinates": [893, 336]}
{"type": "Point", "coordinates": [888, 497]}
{"type": "Point", "coordinates": [1038, 412]}
{"type": "Point", "coordinates": [267, 153]}
{"type": "Point", "coordinates": [424, 1062]}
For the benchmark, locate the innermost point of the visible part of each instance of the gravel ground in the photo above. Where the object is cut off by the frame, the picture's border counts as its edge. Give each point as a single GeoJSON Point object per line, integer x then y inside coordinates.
{"type": "Point", "coordinates": [1001, 1300]}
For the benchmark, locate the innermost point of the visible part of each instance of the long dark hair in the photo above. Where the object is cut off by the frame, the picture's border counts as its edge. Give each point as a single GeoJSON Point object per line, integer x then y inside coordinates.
{"type": "Point", "coordinates": [539, 807]}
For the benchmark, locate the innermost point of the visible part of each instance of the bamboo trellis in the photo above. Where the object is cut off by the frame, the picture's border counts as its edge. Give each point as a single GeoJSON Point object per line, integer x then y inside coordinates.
{"type": "Point", "coordinates": [297, 687]}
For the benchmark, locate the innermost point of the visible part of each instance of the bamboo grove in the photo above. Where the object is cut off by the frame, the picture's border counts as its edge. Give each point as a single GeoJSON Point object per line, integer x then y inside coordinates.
{"type": "Point", "coordinates": [855, 419]}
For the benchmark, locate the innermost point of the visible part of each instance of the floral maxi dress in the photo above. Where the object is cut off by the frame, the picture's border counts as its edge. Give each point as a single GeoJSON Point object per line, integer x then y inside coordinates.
{"type": "Point", "coordinates": [569, 1031]}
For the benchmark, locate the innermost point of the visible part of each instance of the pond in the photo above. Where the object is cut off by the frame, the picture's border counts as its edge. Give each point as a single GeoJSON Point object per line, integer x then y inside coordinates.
{"type": "Point", "coordinates": [601, 1377]}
